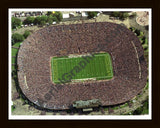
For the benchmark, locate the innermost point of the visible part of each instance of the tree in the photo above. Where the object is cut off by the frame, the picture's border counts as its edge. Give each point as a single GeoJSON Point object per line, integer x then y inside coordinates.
{"type": "Point", "coordinates": [16, 22]}
{"type": "Point", "coordinates": [51, 18]}
{"type": "Point", "coordinates": [44, 18]}
{"type": "Point", "coordinates": [115, 14]}
{"type": "Point", "coordinates": [16, 37]}
{"type": "Point", "coordinates": [55, 16]}
{"type": "Point", "coordinates": [142, 110]}
{"type": "Point", "coordinates": [42, 23]}
{"type": "Point", "coordinates": [26, 34]}
{"type": "Point", "coordinates": [146, 41]}
{"type": "Point", "coordinates": [49, 13]}
{"type": "Point", "coordinates": [141, 34]}
{"type": "Point", "coordinates": [58, 15]}
{"type": "Point", "coordinates": [121, 15]}
{"type": "Point", "coordinates": [13, 108]}
{"type": "Point", "coordinates": [29, 20]}
{"type": "Point", "coordinates": [132, 29]}
{"type": "Point", "coordinates": [92, 14]}
{"type": "Point", "coordinates": [125, 15]}
{"type": "Point", "coordinates": [50, 21]}
{"type": "Point", "coordinates": [37, 20]}
{"type": "Point", "coordinates": [137, 31]}
{"type": "Point", "coordinates": [40, 20]}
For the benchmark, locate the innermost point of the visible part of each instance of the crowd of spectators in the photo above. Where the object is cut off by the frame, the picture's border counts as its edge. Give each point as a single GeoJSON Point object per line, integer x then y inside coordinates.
{"type": "Point", "coordinates": [37, 50]}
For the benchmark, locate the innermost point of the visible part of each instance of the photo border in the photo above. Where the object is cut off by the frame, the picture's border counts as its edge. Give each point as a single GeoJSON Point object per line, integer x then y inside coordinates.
{"type": "Point", "coordinates": [83, 117]}
{"type": "Point", "coordinates": [153, 4]}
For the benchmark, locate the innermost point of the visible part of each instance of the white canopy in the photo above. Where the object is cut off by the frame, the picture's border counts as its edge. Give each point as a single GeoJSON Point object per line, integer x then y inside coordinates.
{"type": "Point", "coordinates": [84, 14]}
{"type": "Point", "coordinates": [65, 15]}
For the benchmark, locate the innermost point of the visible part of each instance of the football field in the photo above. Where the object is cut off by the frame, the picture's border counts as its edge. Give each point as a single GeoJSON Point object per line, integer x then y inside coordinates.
{"type": "Point", "coordinates": [66, 69]}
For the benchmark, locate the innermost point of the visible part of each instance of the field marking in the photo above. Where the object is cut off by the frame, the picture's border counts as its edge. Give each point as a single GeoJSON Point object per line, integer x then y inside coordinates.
{"type": "Point", "coordinates": [110, 64]}
{"type": "Point", "coordinates": [140, 75]}
{"type": "Point", "coordinates": [77, 56]}
{"type": "Point", "coordinates": [55, 58]}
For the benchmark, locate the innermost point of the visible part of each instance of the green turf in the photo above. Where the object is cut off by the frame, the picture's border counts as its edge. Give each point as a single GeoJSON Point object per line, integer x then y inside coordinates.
{"type": "Point", "coordinates": [17, 44]}
{"type": "Point", "coordinates": [14, 50]}
{"type": "Point", "coordinates": [13, 60]}
{"type": "Point", "coordinates": [14, 53]}
{"type": "Point", "coordinates": [99, 67]}
{"type": "Point", "coordinates": [13, 67]}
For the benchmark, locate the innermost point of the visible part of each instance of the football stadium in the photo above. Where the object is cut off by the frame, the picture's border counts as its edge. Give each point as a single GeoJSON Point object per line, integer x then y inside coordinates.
{"type": "Point", "coordinates": [64, 66]}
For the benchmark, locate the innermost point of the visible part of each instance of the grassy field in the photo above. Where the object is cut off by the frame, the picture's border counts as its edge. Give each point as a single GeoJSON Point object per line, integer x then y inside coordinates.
{"type": "Point", "coordinates": [14, 53]}
{"type": "Point", "coordinates": [96, 67]}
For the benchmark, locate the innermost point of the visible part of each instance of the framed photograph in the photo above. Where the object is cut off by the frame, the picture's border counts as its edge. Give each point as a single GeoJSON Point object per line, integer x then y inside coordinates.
{"type": "Point", "coordinates": [80, 64]}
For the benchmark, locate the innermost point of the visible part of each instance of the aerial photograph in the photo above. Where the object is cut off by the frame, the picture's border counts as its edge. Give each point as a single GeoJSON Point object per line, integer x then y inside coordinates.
{"type": "Point", "coordinates": [79, 62]}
